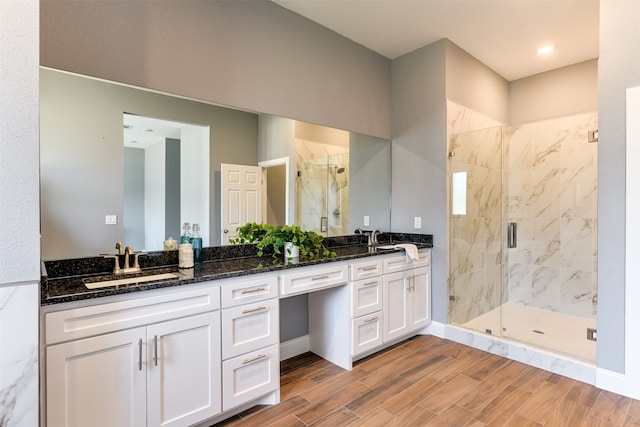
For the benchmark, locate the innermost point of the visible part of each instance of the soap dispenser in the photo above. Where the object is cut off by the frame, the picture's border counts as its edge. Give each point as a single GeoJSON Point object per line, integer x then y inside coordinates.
{"type": "Point", "coordinates": [186, 233]}
{"type": "Point", "coordinates": [196, 241]}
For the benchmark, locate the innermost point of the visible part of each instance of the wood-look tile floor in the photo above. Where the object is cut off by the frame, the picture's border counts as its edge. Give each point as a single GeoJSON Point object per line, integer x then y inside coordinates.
{"type": "Point", "coordinates": [429, 381]}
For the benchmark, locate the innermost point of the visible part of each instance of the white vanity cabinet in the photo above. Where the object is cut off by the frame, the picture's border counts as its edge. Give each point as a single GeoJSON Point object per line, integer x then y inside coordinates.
{"type": "Point", "coordinates": [149, 361]}
{"type": "Point", "coordinates": [407, 296]}
{"type": "Point", "coordinates": [250, 340]}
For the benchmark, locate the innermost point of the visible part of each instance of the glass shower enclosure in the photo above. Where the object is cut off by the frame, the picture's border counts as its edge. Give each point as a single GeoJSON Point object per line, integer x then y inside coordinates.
{"type": "Point", "coordinates": [522, 233]}
{"type": "Point", "coordinates": [322, 194]}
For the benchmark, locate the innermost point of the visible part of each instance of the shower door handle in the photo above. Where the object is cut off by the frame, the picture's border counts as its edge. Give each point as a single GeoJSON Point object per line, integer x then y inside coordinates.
{"type": "Point", "coordinates": [512, 235]}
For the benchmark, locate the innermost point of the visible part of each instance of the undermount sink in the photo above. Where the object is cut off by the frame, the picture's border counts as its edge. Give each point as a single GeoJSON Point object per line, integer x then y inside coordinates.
{"type": "Point", "coordinates": [384, 246]}
{"type": "Point", "coordinates": [126, 281]}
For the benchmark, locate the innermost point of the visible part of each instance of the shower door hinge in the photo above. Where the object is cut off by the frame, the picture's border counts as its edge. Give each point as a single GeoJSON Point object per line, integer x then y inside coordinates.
{"type": "Point", "coordinates": [592, 334]}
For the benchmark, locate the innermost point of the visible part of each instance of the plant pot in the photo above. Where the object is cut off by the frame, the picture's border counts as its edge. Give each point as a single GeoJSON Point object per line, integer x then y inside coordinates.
{"type": "Point", "coordinates": [291, 250]}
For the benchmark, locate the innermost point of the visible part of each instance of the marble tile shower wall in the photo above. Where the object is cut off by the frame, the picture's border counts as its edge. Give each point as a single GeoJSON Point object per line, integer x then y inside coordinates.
{"type": "Point", "coordinates": [476, 260]}
{"type": "Point", "coordinates": [316, 187]}
{"type": "Point", "coordinates": [549, 189]}
{"type": "Point", "coordinates": [552, 196]}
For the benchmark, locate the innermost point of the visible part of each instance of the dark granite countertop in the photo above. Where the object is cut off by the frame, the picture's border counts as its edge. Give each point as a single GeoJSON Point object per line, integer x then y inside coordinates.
{"type": "Point", "coordinates": [64, 280]}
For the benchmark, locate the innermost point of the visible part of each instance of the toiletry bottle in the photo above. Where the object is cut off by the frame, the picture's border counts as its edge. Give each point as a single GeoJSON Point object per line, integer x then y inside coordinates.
{"type": "Point", "coordinates": [196, 241]}
{"type": "Point", "coordinates": [186, 233]}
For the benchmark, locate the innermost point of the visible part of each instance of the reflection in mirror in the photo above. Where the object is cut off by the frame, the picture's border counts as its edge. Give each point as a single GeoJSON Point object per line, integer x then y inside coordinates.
{"type": "Point", "coordinates": [322, 162]}
{"type": "Point", "coordinates": [166, 180]}
{"type": "Point", "coordinates": [82, 164]}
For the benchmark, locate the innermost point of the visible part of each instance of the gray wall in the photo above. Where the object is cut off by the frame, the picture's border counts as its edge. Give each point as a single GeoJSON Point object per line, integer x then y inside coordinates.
{"type": "Point", "coordinates": [172, 226]}
{"type": "Point", "coordinates": [369, 181]}
{"type": "Point", "coordinates": [474, 85]}
{"type": "Point", "coordinates": [82, 154]}
{"type": "Point", "coordinates": [418, 153]}
{"type": "Point", "coordinates": [618, 69]}
{"type": "Point", "coordinates": [567, 90]}
{"type": "Point", "coordinates": [133, 197]}
{"type": "Point", "coordinates": [250, 54]}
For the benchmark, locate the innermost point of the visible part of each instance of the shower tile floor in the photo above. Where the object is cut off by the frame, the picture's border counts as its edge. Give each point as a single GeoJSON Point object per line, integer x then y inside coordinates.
{"type": "Point", "coordinates": [557, 332]}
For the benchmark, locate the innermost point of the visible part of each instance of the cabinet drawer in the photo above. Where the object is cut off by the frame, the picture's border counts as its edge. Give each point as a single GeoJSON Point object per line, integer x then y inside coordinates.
{"type": "Point", "coordinates": [366, 269]}
{"type": "Point", "coordinates": [249, 327]}
{"type": "Point", "coordinates": [399, 262]}
{"type": "Point", "coordinates": [366, 333]}
{"type": "Point", "coordinates": [103, 318]}
{"type": "Point", "coordinates": [250, 376]}
{"type": "Point", "coordinates": [311, 279]}
{"type": "Point", "coordinates": [249, 290]}
{"type": "Point", "coordinates": [366, 296]}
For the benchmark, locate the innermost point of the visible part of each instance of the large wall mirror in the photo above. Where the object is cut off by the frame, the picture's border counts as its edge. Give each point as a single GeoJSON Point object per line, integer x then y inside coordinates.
{"type": "Point", "coordinates": [97, 174]}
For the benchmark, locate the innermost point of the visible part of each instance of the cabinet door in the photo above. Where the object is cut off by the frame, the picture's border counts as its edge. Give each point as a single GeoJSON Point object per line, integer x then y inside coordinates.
{"type": "Point", "coordinates": [396, 305]}
{"type": "Point", "coordinates": [366, 333]}
{"type": "Point", "coordinates": [250, 376]}
{"type": "Point", "coordinates": [98, 382]}
{"type": "Point", "coordinates": [249, 327]}
{"type": "Point", "coordinates": [420, 298]}
{"type": "Point", "coordinates": [184, 370]}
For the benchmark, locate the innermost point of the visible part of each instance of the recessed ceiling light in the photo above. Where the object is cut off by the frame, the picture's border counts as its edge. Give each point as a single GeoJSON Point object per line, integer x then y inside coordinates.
{"type": "Point", "coordinates": [545, 50]}
{"type": "Point", "coordinates": [133, 142]}
{"type": "Point", "coordinates": [127, 126]}
{"type": "Point", "coordinates": [147, 130]}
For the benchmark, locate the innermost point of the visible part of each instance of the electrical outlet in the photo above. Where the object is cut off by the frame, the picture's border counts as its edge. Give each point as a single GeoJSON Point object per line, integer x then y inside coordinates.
{"type": "Point", "coordinates": [366, 221]}
{"type": "Point", "coordinates": [111, 219]}
{"type": "Point", "coordinates": [417, 222]}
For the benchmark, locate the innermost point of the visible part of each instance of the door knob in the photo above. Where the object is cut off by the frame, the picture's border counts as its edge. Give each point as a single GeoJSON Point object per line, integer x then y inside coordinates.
{"type": "Point", "coordinates": [225, 230]}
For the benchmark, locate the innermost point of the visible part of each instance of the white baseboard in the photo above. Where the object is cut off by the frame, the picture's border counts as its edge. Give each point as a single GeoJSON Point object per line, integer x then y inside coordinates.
{"type": "Point", "coordinates": [294, 347]}
{"type": "Point", "coordinates": [616, 382]}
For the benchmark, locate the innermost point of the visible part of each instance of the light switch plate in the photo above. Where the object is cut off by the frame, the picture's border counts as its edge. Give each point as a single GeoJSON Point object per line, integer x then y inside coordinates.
{"type": "Point", "coordinates": [111, 219]}
{"type": "Point", "coordinates": [417, 222]}
{"type": "Point", "coordinates": [366, 221]}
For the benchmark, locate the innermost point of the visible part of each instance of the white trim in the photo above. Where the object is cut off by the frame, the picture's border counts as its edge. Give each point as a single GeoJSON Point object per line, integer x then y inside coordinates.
{"type": "Point", "coordinates": [631, 377]}
{"type": "Point", "coordinates": [279, 162]}
{"type": "Point", "coordinates": [294, 347]}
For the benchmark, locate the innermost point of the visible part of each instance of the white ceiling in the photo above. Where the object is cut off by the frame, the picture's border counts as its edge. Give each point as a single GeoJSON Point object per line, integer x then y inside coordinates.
{"type": "Point", "coordinates": [502, 34]}
{"type": "Point", "coordinates": [142, 132]}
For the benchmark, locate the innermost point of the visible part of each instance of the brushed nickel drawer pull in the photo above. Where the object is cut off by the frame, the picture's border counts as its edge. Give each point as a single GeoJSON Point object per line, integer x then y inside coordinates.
{"type": "Point", "coordinates": [320, 277]}
{"type": "Point", "coordinates": [369, 268]}
{"type": "Point", "coordinates": [155, 350]}
{"type": "Point", "coordinates": [372, 319]}
{"type": "Point", "coordinates": [253, 310]}
{"type": "Point", "coordinates": [253, 291]}
{"type": "Point", "coordinates": [374, 282]}
{"type": "Point", "coordinates": [140, 354]}
{"type": "Point", "coordinates": [255, 359]}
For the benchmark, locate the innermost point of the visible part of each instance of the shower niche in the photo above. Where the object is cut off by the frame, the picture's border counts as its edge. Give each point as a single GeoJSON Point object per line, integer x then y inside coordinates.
{"type": "Point", "coordinates": [522, 231]}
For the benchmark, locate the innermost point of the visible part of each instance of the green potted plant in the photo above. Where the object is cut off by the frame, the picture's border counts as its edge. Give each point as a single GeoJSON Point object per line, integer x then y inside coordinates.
{"type": "Point", "coordinates": [283, 239]}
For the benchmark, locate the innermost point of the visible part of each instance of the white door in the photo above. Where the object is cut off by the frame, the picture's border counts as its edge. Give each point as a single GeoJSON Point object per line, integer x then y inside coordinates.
{"type": "Point", "coordinates": [98, 382]}
{"type": "Point", "coordinates": [242, 197]}
{"type": "Point", "coordinates": [396, 305]}
{"type": "Point", "coordinates": [420, 298]}
{"type": "Point", "coordinates": [184, 370]}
